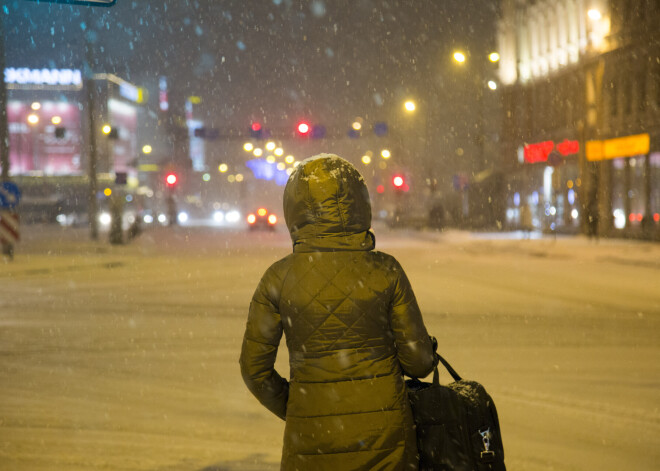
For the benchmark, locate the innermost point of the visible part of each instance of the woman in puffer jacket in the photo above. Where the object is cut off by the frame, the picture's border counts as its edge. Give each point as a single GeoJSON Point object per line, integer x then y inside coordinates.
{"type": "Point", "coordinates": [352, 326]}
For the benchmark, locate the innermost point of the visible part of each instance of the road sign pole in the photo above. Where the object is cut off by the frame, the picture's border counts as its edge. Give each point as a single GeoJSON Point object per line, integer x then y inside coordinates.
{"type": "Point", "coordinates": [9, 232]}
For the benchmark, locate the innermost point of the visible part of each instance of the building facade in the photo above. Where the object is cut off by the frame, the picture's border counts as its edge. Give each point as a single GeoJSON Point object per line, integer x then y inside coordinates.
{"type": "Point", "coordinates": [581, 114]}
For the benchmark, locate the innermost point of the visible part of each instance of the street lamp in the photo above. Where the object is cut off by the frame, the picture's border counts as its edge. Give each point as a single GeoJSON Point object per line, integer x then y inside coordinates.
{"type": "Point", "coordinates": [146, 149]}
{"type": "Point", "coordinates": [409, 106]}
{"type": "Point", "coordinates": [493, 57]}
{"type": "Point", "coordinates": [594, 14]}
{"type": "Point", "coordinates": [459, 57]}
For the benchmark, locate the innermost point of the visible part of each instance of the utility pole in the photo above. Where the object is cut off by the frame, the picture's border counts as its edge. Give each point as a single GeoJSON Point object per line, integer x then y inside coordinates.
{"type": "Point", "coordinates": [4, 126]}
{"type": "Point", "coordinates": [93, 205]}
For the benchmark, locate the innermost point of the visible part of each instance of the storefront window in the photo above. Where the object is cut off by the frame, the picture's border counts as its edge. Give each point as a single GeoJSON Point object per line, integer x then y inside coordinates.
{"type": "Point", "coordinates": [654, 160]}
{"type": "Point", "coordinates": [636, 190]}
{"type": "Point", "coordinates": [618, 193]}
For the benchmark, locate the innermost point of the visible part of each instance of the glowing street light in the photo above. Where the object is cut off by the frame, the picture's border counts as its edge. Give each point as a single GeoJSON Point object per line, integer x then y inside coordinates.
{"type": "Point", "coordinates": [270, 145]}
{"type": "Point", "coordinates": [248, 147]}
{"type": "Point", "coordinates": [35, 106]}
{"type": "Point", "coordinates": [493, 57]}
{"type": "Point", "coordinates": [386, 154]}
{"type": "Point", "coordinates": [258, 152]}
{"type": "Point", "coordinates": [33, 119]}
{"type": "Point", "coordinates": [278, 151]}
{"type": "Point", "coordinates": [459, 57]}
{"type": "Point", "coordinates": [594, 15]}
{"type": "Point", "coordinates": [223, 168]}
{"type": "Point", "coordinates": [409, 106]}
{"type": "Point", "coordinates": [366, 160]}
{"type": "Point", "coordinates": [106, 129]}
{"type": "Point", "coordinates": [56, 120]}
{"type": "Point", "coordinates": [146, 149]}
{"type": "Point", "coordinates": [492, 85]}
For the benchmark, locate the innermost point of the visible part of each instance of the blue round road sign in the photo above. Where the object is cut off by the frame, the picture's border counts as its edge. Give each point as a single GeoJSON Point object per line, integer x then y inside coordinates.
{"type": "Point", "coordinates": [10, 195]}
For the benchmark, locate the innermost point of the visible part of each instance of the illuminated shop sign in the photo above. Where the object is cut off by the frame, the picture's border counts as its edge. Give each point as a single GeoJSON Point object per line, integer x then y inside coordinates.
{"type": "Point", "coordinates": [628, 146]}
{"type": "Point", "coordinates": [540, 151]}
{"type": "Point", "coordinates": [52, 77]}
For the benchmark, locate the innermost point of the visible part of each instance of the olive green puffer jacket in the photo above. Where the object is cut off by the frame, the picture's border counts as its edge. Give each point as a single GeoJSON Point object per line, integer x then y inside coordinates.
{"type": "Point", "coordinates": [352, 328]}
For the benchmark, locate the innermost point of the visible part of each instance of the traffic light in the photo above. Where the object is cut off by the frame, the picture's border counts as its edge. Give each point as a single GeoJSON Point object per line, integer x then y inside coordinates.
{"type": "Point", "coordinates": [256, 130]}
{"type": "Point", "coordinates": [171, 179]}
{"type": "Point", "coordinates": [303, 128]}
{"type": "Point", "coordinates": [110, 131]}
{"type": "Point", "coordinates": [399, 183]}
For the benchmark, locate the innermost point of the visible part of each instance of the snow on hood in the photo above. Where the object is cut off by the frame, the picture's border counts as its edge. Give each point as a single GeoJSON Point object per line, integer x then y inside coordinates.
{"type": "Point", "coordinates": [327, 198]}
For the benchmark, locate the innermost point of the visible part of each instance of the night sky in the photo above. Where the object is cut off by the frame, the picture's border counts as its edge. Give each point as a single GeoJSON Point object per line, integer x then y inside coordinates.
{"type": "Point", "coordinates": [274, 61]}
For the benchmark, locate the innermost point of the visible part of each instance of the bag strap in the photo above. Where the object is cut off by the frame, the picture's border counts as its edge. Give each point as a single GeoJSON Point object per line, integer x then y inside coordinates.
{"type": "Point", "coordinates": [445, 363]}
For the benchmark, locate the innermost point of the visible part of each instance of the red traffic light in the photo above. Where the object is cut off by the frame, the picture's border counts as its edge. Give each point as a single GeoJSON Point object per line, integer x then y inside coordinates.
{"type": "Point", "coordinates": [400, 183]}
{"type": "Point", "coordinates": [256, 127]}
{"type": "Point", "coordinates": [303, 128]}
{"type": "Point", "coordinates": [171, 179]}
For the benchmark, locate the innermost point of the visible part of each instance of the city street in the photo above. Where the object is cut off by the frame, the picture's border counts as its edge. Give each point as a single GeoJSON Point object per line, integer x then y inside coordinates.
{"type": "Point", "coordinates": [126, 357]}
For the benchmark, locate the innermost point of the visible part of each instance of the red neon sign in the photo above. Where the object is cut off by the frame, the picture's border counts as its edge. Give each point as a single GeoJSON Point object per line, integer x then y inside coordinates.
{"type": "Point", "coordinates": [568, 147]}
{"type": "Point", "coordinates": [540, 151]}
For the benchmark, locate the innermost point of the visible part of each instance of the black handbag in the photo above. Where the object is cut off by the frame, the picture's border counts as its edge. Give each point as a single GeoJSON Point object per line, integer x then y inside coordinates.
{"type": "Point", "coordinates": [456, 424]}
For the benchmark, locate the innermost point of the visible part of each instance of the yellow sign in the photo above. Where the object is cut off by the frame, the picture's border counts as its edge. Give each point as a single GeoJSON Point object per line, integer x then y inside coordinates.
{"type": "Point", "coordinates": [148, 168]}
{"type": "Point", "coordinates": [628, 146]}
{"type": "Point", "coordinates": [594, 150]}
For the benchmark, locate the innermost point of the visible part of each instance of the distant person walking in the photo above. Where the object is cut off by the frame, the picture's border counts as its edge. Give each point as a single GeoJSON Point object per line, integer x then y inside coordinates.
{"type": "Point", "coordinates": [526, 223]}
{"type": "Point", "coordinates": [352, 327]}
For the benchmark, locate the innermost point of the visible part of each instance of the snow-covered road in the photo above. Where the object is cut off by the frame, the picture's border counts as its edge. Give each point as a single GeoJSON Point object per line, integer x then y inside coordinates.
{"type": "Point", "coordinates": [126, 358]}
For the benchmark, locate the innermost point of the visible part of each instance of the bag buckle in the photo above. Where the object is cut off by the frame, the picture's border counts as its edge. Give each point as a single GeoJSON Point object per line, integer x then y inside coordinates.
{"type": "Point", "coordinates": [487, 455]}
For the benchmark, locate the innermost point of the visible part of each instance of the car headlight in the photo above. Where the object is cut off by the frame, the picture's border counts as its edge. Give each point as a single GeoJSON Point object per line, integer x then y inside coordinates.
{"type": "Point", "coordinates": [105, 218]}
{"type": "Point", "coordinates": [233, 216]}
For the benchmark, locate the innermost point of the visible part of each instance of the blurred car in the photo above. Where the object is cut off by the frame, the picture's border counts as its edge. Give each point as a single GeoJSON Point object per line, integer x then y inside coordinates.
{"type": "Point", "coordinates": [261, 219]}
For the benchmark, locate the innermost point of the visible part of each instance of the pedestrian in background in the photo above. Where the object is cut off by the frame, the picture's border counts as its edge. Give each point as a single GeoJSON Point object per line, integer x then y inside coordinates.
{"type": "Point", "coordinates": [526, 223]}
{"type": "Point", "coordinates": [353, 329]}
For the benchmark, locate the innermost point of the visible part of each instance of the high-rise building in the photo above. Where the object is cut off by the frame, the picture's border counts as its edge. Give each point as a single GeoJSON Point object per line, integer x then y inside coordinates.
{"type": "Point", "coordinates": [581, 114]}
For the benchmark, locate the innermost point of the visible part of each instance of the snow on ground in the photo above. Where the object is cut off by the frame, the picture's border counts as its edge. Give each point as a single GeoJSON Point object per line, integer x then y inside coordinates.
{"type": "Point", "coordinates": [126, 357]}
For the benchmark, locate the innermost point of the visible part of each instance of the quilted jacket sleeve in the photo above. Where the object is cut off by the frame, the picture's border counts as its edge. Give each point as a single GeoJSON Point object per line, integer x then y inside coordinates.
{"type": "Point", "coordinates": [414, 347]}
{"type": "Point", "coordinates": [260, 342]}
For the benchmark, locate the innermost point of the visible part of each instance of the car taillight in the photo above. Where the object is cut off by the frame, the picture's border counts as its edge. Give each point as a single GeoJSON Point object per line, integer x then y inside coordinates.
{"type": "Point", "coordinates": [272, 219]}
{"type": "Point", "coordinates": [251, 219]}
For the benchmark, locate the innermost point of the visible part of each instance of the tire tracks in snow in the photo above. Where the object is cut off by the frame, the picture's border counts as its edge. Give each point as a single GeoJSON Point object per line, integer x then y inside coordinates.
{"type": "Point", "coordinates": [610, 413]}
